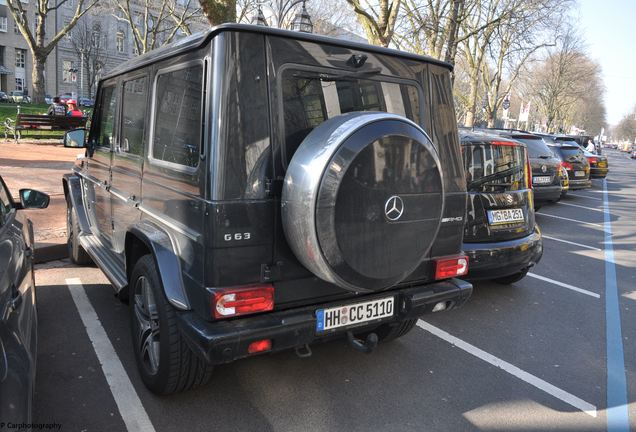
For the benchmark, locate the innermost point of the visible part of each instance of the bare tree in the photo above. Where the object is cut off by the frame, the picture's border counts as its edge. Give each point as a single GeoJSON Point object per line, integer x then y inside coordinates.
{"type": "Point", "coordinates": [89, 42]}
{"type": "Point", "coordinates": [37, 40]}
{"type": "Point", "coordinates": [516, 40]}
{"type": "Point", "coordinates": [377, 18]}
{"type": "Point", "coordinates": [561, 82]}
{"type": "Point", "coordinates": [157, 22]}
{"type": "Point", "coordinates": [219, 11]}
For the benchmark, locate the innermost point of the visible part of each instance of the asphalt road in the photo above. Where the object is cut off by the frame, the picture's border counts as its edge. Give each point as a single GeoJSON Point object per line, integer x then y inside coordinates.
{"type": "Point", "coordinates": [531, 356]}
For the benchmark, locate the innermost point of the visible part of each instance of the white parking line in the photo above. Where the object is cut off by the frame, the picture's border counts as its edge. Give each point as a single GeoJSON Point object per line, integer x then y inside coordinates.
{"type": "Point", "coordinates": [535, 381]}
{"type": "Point", "coordinates": [584, 196]}
{"type": "Point", "coordinates": [130, 407]}
{"type": "Point", "coordinates": [580, 206]}
{"type": "Point", "coordinates": [570, 242]}
{"type": "Point", "coordinates": [571, 220]}
{"type": "Point", "coordinates": [564, 285]}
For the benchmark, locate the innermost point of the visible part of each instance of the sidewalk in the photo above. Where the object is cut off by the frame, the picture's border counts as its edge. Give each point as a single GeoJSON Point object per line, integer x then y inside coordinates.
{"type": "Point", "coordinates": [40, 166]}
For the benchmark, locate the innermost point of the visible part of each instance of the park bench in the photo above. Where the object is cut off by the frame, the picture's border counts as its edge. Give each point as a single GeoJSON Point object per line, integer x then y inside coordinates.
{"type": "Point", "coordinates": [38, 122]}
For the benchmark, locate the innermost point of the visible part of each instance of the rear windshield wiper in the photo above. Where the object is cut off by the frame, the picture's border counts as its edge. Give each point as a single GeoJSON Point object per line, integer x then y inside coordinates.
{"type": "Point", "coordinates": [336, 76]}
{"type": "Point", "coordinates": [501, 174]}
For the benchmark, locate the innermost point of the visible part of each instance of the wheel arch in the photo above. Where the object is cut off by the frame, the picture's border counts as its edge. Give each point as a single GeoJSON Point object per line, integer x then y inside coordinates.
{"type": "Point", "coordinates": [147, 238]}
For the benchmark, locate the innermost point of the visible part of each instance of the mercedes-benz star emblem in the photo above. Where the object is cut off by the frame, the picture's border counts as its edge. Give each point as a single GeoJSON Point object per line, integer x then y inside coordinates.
{"type": "Point", "coordinates": [393, 208]}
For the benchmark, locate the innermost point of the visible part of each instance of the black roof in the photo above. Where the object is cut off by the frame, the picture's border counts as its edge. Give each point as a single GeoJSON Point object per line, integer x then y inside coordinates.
{"type": "Point", "coordinates": [197, 40]}
{"type": "Point", "coordinates": [467, 135]}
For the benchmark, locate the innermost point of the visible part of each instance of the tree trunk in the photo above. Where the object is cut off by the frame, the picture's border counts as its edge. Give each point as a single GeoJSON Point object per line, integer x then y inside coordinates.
{"type": "Point", "coordinates": [472, 103]}
{"type": "Point", "coordinates": [37, 77]}
{"type": "Point", "coordinates": [219, 11]}
{"type": "Point", "coordinates": [492, 118]}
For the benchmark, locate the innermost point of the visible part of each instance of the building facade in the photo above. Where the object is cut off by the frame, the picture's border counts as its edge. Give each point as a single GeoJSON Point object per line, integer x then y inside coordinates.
{"type": "Point", "coordinates": [100, 38]}
{"type": "Point", "coordinates": [16, 63]}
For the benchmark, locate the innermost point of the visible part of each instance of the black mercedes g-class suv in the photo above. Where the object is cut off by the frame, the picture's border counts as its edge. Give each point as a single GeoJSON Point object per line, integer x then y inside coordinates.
{"type": "Point", "coordinates": [251, 190]}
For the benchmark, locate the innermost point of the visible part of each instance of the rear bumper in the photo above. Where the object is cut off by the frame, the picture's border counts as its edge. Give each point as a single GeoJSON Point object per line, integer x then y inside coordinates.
{"type": "Point", "coordinates": [547, 193]}
{"type": "Point", "coordinates": [598, 172]}
{"type": "Point", "coordinates": [494, 260]}
{"type": "Point", "coordinates": [580, 184]}
{"type": "Point", "coordinates": [226, 341]}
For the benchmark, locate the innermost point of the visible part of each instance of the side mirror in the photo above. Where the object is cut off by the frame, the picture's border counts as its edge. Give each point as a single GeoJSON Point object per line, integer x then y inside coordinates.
{"type": "Point", "coordinates": [32, 199]}
{"type": "Point", "coordinates": [75, 138]}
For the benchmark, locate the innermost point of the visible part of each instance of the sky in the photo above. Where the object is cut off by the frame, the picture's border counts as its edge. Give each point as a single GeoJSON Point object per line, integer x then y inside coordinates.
{"type": "Point", "coordinates": [608, 28]}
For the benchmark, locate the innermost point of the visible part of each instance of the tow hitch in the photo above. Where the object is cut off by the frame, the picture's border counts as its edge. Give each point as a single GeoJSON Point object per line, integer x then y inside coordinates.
{"type": "Point", "coordinates": [366, 346]}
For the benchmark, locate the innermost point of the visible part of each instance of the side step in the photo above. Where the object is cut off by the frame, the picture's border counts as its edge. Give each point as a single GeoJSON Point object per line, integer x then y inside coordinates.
{"type": "Point", "coordinates": [112, 267]}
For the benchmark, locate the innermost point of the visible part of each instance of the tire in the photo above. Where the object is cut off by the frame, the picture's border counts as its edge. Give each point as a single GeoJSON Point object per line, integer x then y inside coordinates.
{"type": "Point", "coordinates": [76, 252]}
{"type": "Point", "coordinates": [165, 362]}
{"type": "Point", "coordinates": [507, 280]}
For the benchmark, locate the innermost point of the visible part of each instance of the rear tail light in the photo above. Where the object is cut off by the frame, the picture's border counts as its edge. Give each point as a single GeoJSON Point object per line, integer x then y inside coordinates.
{"type": "Point", "coordinates": [259, 346]}
{"type": "Point", "coordinates": [567, 165]}
{"type": "Point", "coordinates": [503, 143]}
{"type": "Point", "coordinates": [592, 160]}
{"type": "Point", "coordinates": [451, 267]}
{"type": "Point", "coordinates": [236, 301]}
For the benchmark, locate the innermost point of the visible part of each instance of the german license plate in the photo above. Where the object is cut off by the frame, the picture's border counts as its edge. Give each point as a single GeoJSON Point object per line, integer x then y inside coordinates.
{"type": "Point", "coordinates": [342, 316]}
{"type": "Point", "coordinates": [579, 173]}
{"type": "Point", "coordinates": [542, 180]}
{"type": "Point", "coordinates": [496, 217]}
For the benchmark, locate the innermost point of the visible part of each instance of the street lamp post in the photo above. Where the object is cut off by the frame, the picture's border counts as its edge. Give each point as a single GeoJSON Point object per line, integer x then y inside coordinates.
{"type": "Point", "coordinates": [302, 21]}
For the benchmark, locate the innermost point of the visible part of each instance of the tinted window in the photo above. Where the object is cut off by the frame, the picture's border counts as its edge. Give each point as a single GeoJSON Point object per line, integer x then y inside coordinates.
{"type": "Point", "coordinates": [106, 120]}
{"type": "Point", "coordinates": [536, 147]}
{"type": "Point", "coordinates": [134, 116]}
{"type": "Point", "coordinates": [494, 168]}
{"type": "Point", "coordinates": [570, 152]}
{"type": "Point", "coordinates": [310, 98]}
{"type": "Point", "coordinates": [177, 134]}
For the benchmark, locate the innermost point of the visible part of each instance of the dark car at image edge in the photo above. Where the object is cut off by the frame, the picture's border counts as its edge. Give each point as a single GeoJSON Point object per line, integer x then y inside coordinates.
{"type": "Point", "coordinates": [18, 327]}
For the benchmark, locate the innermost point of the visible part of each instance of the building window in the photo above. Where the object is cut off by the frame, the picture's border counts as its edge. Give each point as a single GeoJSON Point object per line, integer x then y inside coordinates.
{"type": "Point", "coordinates": [3, 24]}
{"type": "Point", "coordinates": [16, 29]}
{"type": "Point", "coordinates": [19, 84]}
{"type": "Point", "coordinates": [1, 55]}
{"type": "Point", "coordinates": [120, 41]}
{"type": "Point", "coordinates": [20, 58]}
{"type": "Point", "coordinates": [68, 71]}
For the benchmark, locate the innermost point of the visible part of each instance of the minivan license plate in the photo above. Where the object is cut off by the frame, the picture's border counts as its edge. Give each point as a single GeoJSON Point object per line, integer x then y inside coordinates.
{"type": "Point", "coordinates": [579, 173]}
{"type": "Point", "coordinates": [342, 316]}
{"type": "Point", "coordinates": [496, 217]}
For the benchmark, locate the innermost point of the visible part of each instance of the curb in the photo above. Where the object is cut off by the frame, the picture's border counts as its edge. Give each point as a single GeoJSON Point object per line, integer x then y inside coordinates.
{"type": "Point", "coordinates": [45, 252]}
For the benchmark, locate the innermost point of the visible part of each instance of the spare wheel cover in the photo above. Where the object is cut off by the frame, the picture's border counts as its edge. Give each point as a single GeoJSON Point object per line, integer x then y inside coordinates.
{"type": "Point", "coordinates": [363, 199]}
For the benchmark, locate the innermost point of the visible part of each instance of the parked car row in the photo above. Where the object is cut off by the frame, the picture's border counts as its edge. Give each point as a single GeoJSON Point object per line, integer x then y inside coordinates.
{"type": "Point", "coordinates": [15, 97]}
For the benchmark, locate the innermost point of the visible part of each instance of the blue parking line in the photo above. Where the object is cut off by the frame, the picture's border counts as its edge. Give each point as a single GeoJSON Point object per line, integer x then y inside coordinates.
{"type": "Point", "coordinates": [617, 413]}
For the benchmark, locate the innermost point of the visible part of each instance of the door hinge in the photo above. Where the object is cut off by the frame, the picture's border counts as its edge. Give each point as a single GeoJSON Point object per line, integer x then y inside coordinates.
{"type": "Point", "coordinates": [273, 187]}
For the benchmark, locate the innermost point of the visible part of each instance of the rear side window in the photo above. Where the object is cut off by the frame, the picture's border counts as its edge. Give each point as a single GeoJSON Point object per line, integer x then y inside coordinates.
{"type": "Point", "coordinates": [5, 204]}
{"type": "Point", "coordinates": [134, 116]}
{"type": "Point", "coordinates": [310, 98]}
{"type": "Point", "coordinates": [494, 168]}
{"type": "Point", "coordinates": [106, 120]}
{"type": "Point", "coordinates": [177, 117]}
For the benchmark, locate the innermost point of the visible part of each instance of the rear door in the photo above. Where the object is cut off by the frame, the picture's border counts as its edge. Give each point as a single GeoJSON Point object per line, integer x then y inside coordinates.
{"type": "Point", "coordinates": [499, 196]}
{"type": "Point", "coordinates": [127, 159]}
